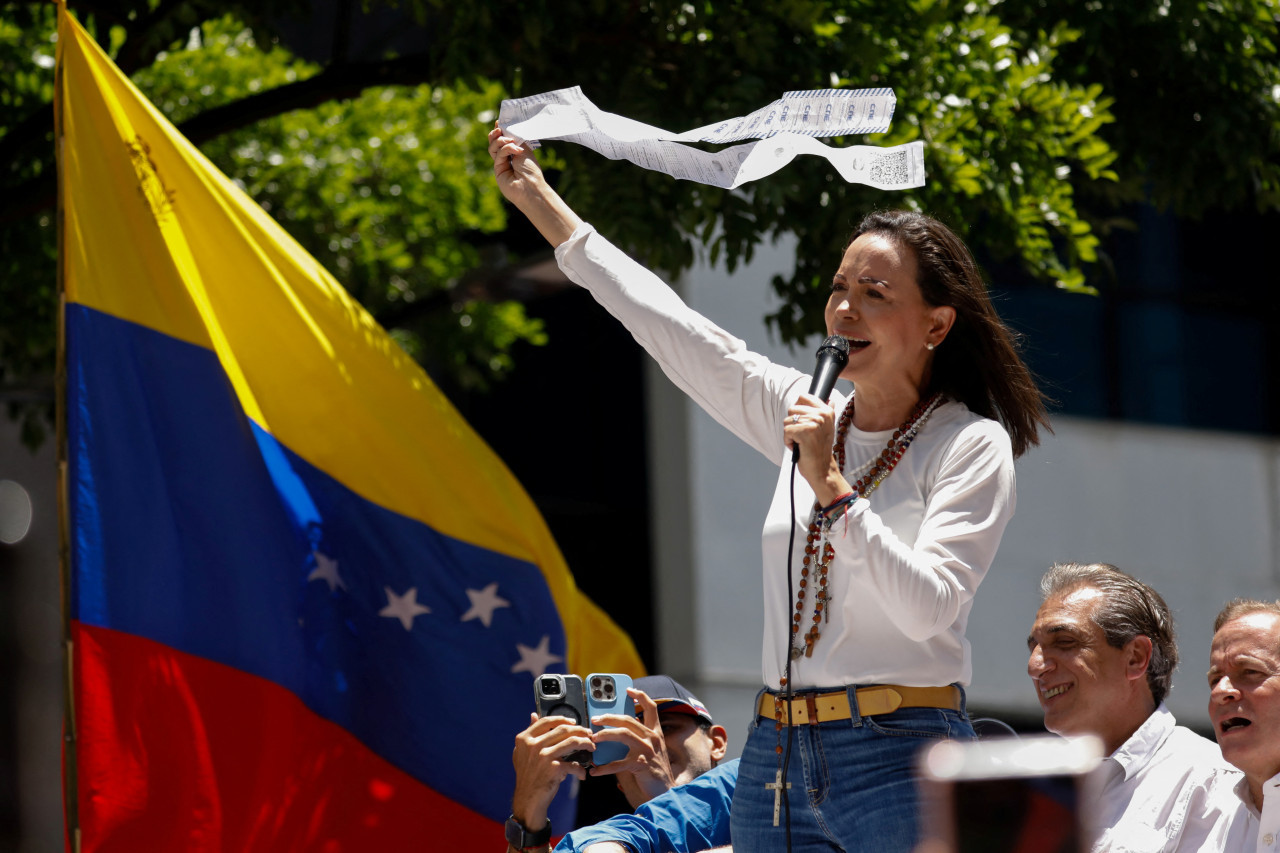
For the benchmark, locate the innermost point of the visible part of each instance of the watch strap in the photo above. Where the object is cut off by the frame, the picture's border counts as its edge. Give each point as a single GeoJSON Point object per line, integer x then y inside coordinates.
{"type": "Point", "coordinates": [522, 839]}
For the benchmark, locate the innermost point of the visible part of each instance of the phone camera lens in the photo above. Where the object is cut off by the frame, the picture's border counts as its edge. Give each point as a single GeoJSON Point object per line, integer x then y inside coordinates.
{"type": "Point", "coordinates": [595, 682]}
{"type": "Point", "coordinates": [550, 687]}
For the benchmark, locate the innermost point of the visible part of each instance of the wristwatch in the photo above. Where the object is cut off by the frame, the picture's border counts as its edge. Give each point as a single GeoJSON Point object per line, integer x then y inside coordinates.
{"type": "Point", "coordinates": [522, 839]}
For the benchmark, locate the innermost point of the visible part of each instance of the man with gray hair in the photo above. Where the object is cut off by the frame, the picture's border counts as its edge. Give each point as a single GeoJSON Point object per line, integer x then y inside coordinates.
{"type": "Point", "coordinates": [1102, 656]}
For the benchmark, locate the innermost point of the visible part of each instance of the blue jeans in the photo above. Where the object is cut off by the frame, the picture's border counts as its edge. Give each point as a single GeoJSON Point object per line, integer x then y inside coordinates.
{"type": "Point", "coordinates": [852, 783]}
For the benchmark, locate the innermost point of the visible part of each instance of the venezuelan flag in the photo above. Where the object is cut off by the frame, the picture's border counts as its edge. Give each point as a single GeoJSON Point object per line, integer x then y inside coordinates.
{"type": "Point", "coordinates": [305, 601]}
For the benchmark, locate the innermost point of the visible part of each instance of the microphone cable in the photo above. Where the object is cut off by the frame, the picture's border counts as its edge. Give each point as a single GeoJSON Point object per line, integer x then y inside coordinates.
{"type": "Point", "coordinates": [833, 355]}
{"type": "Point", "coordinates": [788, 690]}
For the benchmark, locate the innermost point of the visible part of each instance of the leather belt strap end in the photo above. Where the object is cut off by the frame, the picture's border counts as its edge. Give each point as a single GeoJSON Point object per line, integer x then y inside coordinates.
{"type": "Point", "coordinates": [883, 699]}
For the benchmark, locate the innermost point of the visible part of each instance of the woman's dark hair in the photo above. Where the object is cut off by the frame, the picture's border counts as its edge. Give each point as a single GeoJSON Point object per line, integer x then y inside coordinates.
{"type": "Point", "coordinates": [979, 363]}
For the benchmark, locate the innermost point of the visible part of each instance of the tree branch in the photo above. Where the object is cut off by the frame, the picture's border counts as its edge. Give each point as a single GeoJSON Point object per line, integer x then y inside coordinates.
{"type": "Point", "coordinates": [333, 84]}
{"type": "Point", "coordinates": [136, 50]}
{"type": "Point", "coordinates": [339, 50]}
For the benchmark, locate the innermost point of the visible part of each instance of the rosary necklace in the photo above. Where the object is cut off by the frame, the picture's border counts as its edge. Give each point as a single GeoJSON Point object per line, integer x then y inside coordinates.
{"type": "Point", "coordinates": [818, 552]}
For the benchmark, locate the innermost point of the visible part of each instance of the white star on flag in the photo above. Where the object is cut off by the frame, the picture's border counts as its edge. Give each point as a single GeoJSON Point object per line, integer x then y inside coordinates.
{"type": "Point", "coordinates": [536, 660]}
{"type": "Point", "coordinates": [403, 607]}
{"type": "Point", "coordinates": [483, 603]}
{"type": "Point", "coordinates": [326, 570]}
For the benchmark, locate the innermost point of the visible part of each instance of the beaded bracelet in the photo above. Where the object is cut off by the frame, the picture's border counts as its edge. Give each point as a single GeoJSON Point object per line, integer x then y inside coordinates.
{"type": "Point", "coordinates": [844, 500]}
{"type": "Point", "coordinates": [829, 514]}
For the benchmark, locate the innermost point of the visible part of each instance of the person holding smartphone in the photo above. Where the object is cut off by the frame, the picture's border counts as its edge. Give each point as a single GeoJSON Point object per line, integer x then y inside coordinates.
{"type": "Point", "coordinates": [689, 818]}
{"type": "Point", "coordinates": [673, 741]}
{"type": "Point", "coordinates": [899, 507]}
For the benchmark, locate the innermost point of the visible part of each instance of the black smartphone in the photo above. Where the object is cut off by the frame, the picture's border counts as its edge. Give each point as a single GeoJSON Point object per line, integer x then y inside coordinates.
{"type": "Point", "coordinates": [556, 695]}
{"type": "Point", "coordinates": [1033, 783]}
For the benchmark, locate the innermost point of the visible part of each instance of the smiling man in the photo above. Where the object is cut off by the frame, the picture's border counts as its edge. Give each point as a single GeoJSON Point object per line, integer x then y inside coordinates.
{"type": "Point", "coordinates": [1244, 705]}
{"type": "Point", "coordinates": [1102, 656]}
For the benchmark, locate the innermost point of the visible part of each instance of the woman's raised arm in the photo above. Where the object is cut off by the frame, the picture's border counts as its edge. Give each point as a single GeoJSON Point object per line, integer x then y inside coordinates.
{"type": "Point", "coordinates": [522, 182]}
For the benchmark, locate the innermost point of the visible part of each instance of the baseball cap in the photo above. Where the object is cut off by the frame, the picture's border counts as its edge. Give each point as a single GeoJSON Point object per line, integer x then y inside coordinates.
{"type": "Point", "coordinates": [671, 696]}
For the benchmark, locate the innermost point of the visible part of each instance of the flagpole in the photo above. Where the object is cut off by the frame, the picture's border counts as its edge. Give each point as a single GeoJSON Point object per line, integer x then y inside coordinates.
{"type": "Point", "coordinates": [70, 802]}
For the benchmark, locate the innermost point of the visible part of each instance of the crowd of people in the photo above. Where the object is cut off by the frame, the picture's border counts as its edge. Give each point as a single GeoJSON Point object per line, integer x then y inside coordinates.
{"type": "Point", "coordinates": [872, 557]}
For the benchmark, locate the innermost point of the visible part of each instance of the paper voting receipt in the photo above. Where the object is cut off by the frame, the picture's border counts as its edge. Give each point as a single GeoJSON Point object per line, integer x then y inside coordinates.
{"type": "Point", "coordinates": [784, 128]}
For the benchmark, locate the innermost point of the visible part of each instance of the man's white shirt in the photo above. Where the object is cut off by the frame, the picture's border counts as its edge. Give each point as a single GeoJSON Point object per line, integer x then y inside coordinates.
{"type": "Point", "coordinates": [1157, 792]}
{"type": "Point", "coordinates": [1250, 830]}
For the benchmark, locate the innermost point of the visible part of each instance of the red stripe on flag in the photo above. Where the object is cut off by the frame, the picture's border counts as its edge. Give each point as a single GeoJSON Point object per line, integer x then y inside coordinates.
{"type": "Point", "coordinates": [175, 752]}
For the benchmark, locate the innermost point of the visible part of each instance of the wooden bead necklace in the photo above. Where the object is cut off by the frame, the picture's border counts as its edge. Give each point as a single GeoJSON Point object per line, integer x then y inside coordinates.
{"type": "Point", "coordinates": [818, 552]}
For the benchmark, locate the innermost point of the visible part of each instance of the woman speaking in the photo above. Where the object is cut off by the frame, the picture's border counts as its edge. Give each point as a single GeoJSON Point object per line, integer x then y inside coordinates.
{"type": "Point", "coordinates": [873, 555]}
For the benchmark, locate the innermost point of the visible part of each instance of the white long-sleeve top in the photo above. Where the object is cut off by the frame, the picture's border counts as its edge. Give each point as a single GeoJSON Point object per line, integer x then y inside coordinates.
{"type": "Point", "coordinates": [908, 559]}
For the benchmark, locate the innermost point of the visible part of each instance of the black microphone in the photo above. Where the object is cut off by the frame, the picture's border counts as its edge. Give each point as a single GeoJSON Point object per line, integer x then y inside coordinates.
{"type": "Point", "coordinates": [833, 355]}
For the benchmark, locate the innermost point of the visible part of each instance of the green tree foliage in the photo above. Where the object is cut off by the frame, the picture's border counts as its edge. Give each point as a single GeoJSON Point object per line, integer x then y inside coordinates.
{"type": "Point", "coordinates": [1041, 121]}
{"type": "Point", "coordinates": [28, 290]}
{"type": "Point", "coordinates": [382, 189]}
{"type": "Point", "coordinates": [1196, 90]}
{"type": "Point", "coordinates": [389, 188]}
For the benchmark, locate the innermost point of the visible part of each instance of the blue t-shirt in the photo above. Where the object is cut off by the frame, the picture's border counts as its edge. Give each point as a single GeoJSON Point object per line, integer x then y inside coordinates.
{"type": "Point", "coordinates": [687, 819]}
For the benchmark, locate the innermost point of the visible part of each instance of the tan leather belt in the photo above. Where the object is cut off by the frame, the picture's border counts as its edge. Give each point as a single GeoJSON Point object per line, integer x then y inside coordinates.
{"type": "Point", "coordinates": [884, 699]}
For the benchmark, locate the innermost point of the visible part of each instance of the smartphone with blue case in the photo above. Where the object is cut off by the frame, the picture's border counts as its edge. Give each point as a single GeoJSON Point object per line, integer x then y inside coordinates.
{"type": "Point", "coordinates": [607, 694]}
